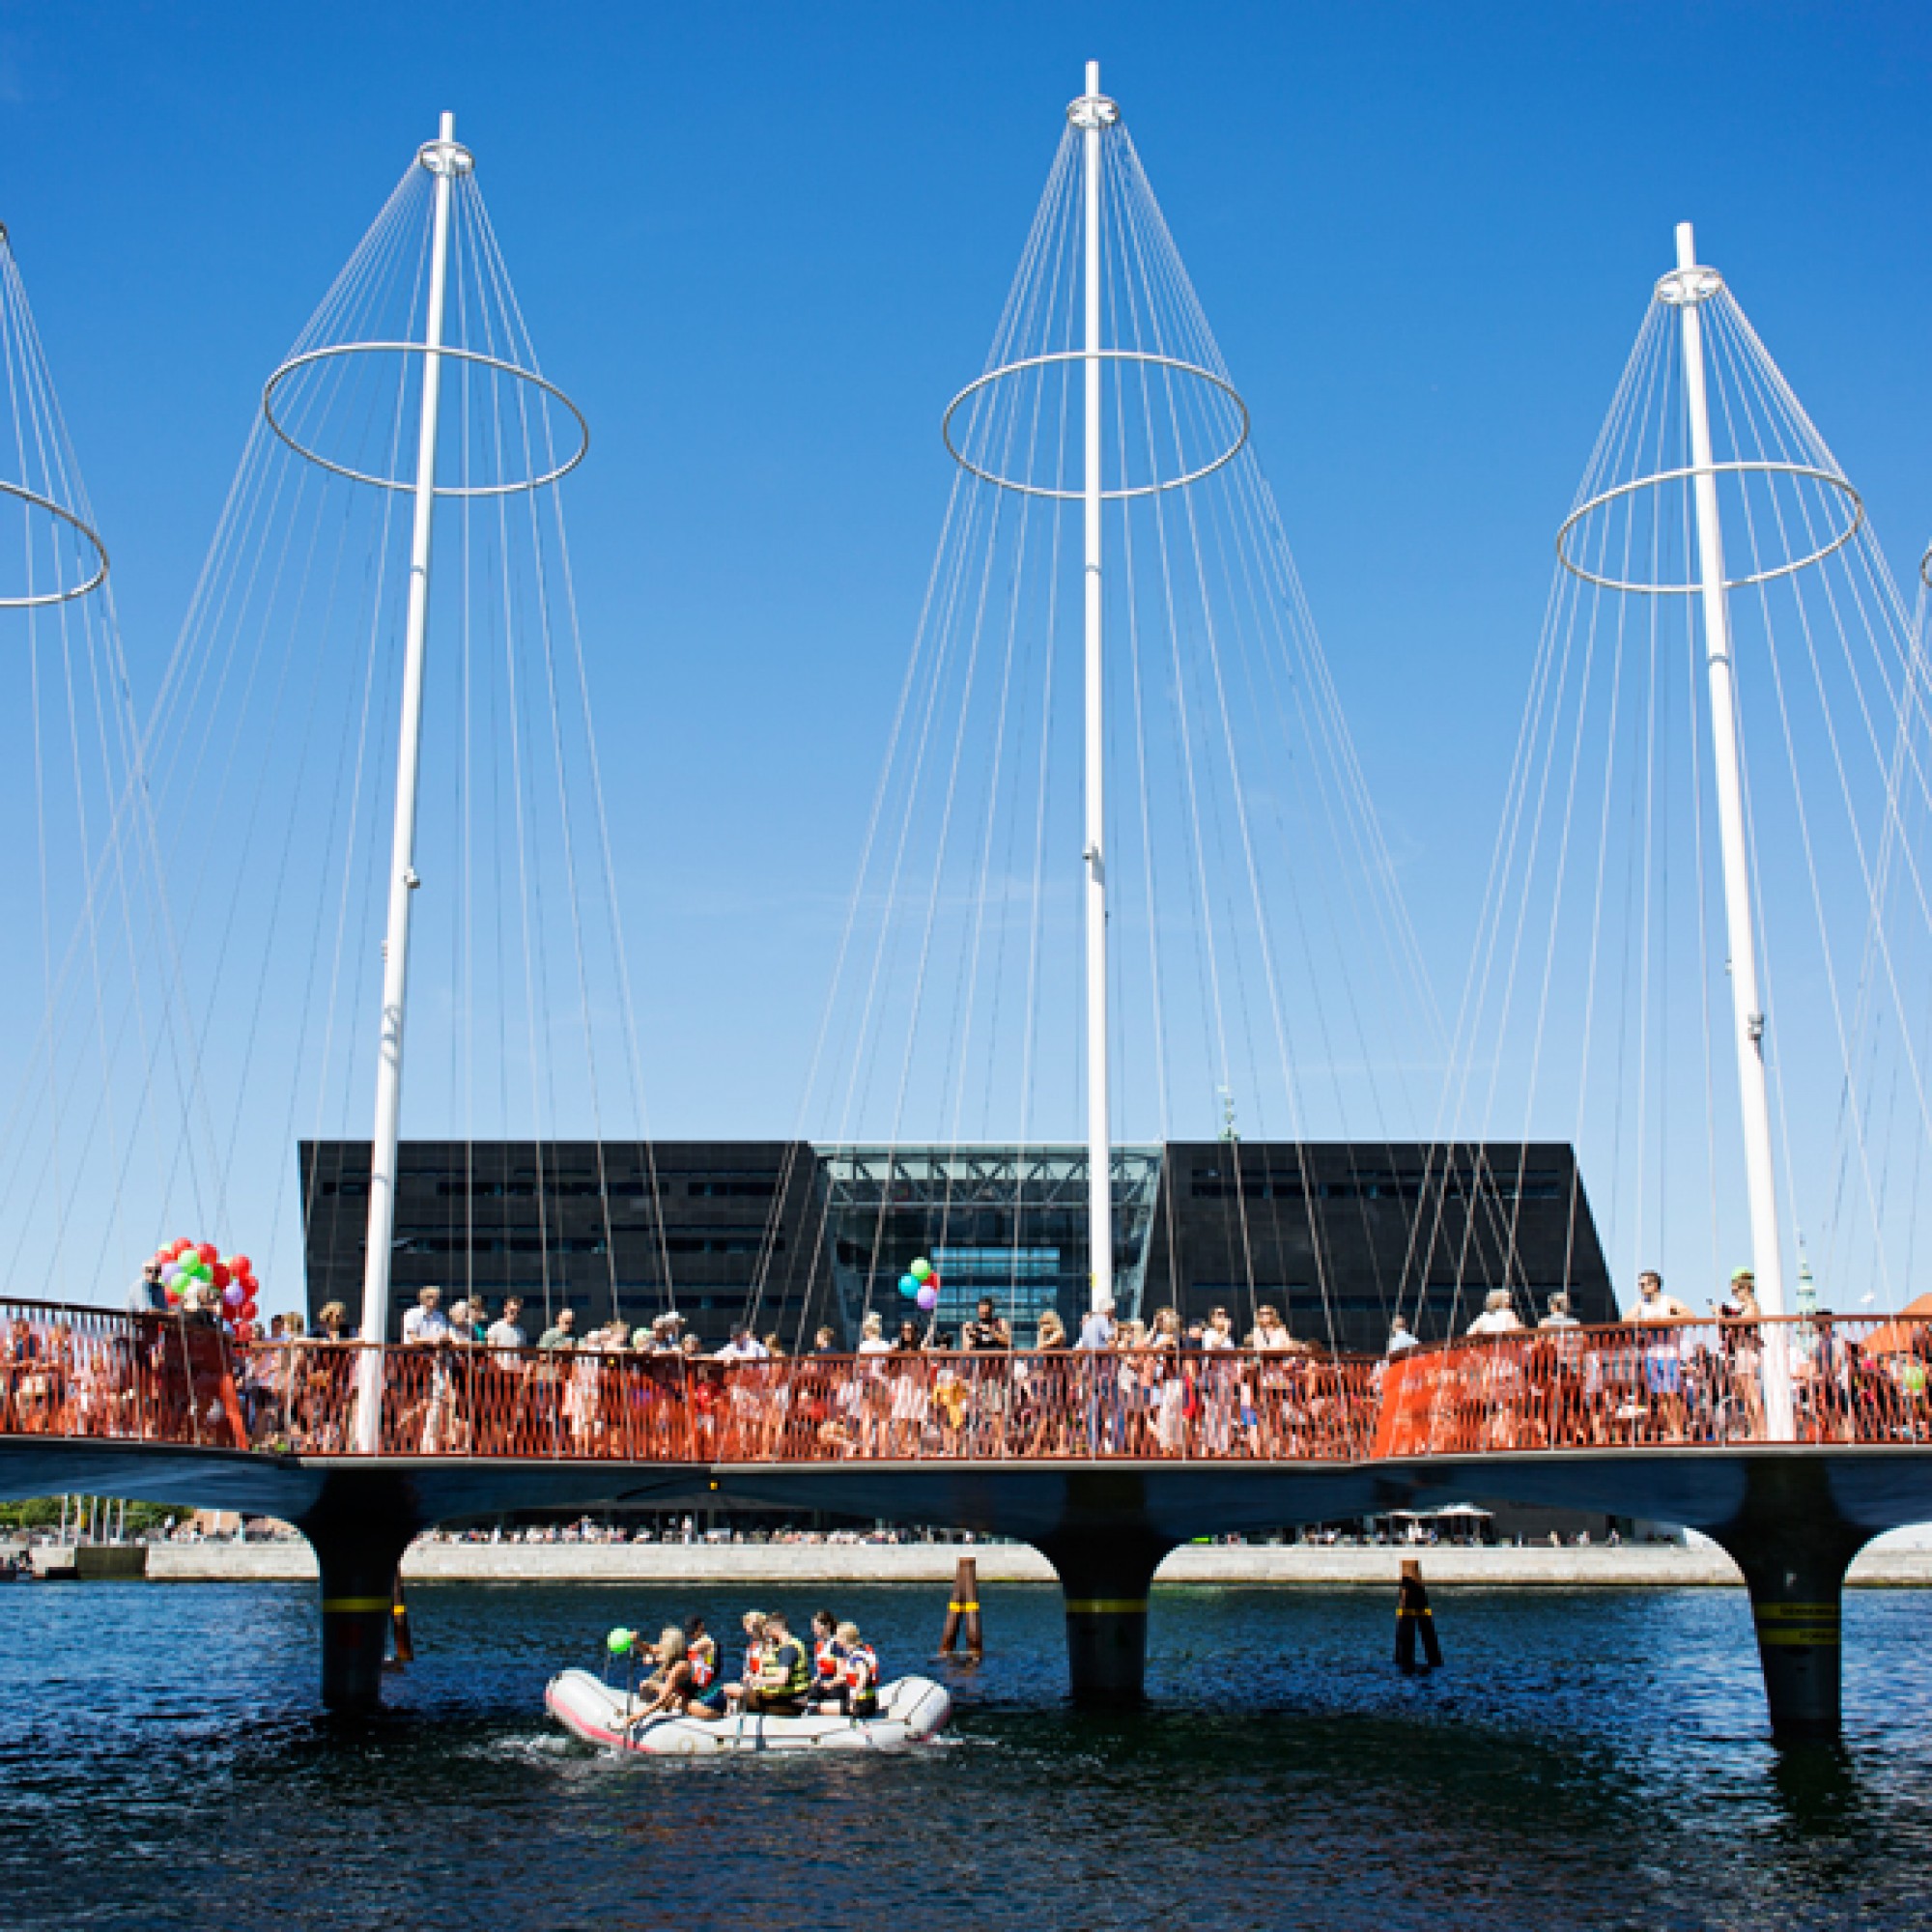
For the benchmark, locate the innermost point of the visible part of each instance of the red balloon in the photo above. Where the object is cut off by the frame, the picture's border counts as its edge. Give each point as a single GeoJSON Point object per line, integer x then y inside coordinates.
{"type": "Point", "coordinates": [180, 1247]}
{"type": "Point", "coordinates": [220, 1275]}
{"type": "Point", "coordinates": [249, 1311]}
{"type": "Point", "coordinates": [241, 1266]}
{"type": "Point", "coordinates": [208, 1253]}
{"type": "Point", "coordinates": [244, 1331]}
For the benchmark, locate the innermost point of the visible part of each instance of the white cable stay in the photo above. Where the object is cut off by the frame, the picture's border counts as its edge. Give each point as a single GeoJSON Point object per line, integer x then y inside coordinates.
{"type": "Point", "coordinates": [1078, 925]}
{"type": "Point", "coordinates": [1725, 733]}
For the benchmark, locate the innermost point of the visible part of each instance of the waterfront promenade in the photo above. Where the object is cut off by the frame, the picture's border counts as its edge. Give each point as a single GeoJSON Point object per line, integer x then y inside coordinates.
{"type": "Point", "coordinates": [668, 1566]}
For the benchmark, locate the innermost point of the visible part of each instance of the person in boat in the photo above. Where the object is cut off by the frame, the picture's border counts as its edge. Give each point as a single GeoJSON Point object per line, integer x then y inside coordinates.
{"type": "Point", "coordinates": [856, 1694]}
{"type": "Point", "coordinates": [669, 1690]}
{"type": "Point", "coordinates": [784, 1673]}
{"type": "Point", "coordinates": [827, 1657]}
{"type": "Point", "coordinates": [756, 1633]}
{"type": "Point", "coordinates": [701, 1648]}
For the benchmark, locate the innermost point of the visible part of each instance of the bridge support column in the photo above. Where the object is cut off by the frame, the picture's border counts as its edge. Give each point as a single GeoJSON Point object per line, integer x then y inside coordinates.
{"type": "Point", "coordinates": [359, 1556]}
{"type": "Point", "coordinates": [1795, 1594]}
{"type": "Point", "coordinates": [1104, 1583]}
{"type": "Point", "coordinates": [1794, 1548]}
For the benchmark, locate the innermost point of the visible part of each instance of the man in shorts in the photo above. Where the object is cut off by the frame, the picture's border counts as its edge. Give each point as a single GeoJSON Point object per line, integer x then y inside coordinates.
{"type": "Point", "coordinates": [1663, 1359]}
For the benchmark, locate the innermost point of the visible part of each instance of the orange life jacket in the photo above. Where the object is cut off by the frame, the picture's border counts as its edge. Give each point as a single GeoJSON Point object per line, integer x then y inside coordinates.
{"type": "Point", "coordinates": [861, 1674]}
{"type": "Point", "coordinates": [702, 1657]}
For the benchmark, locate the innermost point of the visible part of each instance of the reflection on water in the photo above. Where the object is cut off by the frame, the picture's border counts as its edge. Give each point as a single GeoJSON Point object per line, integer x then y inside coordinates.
{"type": "Point", "coordinates": [1588, 1758]}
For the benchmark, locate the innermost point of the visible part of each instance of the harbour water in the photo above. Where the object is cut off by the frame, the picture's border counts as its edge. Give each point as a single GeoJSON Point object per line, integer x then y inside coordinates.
{"type": "Point", "coordinates": [1588, 1758]}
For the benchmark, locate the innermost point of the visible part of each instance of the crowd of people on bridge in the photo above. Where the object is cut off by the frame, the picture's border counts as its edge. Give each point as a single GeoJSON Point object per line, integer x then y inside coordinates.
{"type": "Point", "coordinates": [1665, 1376]}
{"type": "Point", "coordinates": [468, 1380]}
{"type": "Point", "coordinates": [1117, 1388]}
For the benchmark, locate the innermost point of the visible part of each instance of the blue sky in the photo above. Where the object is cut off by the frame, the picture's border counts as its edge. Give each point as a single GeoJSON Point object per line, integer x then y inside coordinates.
{"type": "Point", "coordinates": [762, 246]}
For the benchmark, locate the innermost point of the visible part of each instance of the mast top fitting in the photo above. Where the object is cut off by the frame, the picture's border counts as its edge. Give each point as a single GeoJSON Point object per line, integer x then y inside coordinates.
{"type": "Point", "coordinates": [1685, 287]}
{"type": "Point", "coordinates": [446, 154]}
{"type": "Point", "coordinates": [1092, 109]}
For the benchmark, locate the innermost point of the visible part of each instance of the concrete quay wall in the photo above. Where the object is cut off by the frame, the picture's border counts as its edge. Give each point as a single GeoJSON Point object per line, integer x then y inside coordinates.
{"type": "Point", "coordinates": [1640, 1565]}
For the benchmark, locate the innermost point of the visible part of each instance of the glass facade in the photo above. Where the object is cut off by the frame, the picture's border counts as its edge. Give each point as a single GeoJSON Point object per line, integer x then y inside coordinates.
{"type": "Point", "coordinates": [1014, 1219]}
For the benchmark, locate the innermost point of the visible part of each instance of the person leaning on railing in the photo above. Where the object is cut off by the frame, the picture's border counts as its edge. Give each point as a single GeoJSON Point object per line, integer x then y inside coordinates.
{"type": "Point", "coordinates": [989, 1340]}
{"type": "Point", "coordinates": [909, 1406]}
{"type": "Point", "coordinates": [149, 1295]}
{"type": "Point", "coordinates": [1167, 1386]}
{"type": "Point", "coordinates": [1221, 1399]}
{"type": "Point", "coordinates": [1099, 1388]}
{"type": "Point", "coordinates": [1042, 1391]}
{"type": "Point", "coordinates": [1662, 1356]}
{"type": "Point", "coordinates": [257, 1373]}
{"type": "Point", "coordinates": [546, 1381]}
{"type": "Point", "coordinates": [1269, 1340]}
{"type": "Point", "coordinates": [1743, 1342]}
{"type": "Point", "coordinates": [1835, 1371]}
{"type": "Point", "coordinates": [1499, 1389]}
{"type": "Point", "coordinates": [324, 1380]}
{"type": "Point", "coordinates": [1559, 1392]}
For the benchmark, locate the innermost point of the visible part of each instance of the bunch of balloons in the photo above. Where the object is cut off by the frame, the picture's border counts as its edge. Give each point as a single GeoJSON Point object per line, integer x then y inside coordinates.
{"type": "Point", "coordinates": [187, 1264]}
{"type": "Point", "coordinates": [921, 1284]}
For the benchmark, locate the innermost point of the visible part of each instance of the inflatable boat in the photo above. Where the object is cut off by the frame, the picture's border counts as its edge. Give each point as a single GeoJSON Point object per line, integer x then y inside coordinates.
{"type": "Point", "coordinates": [910, 1711]}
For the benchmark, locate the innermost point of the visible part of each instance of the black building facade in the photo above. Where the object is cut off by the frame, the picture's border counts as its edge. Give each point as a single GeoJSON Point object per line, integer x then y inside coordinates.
{"type": "Point", "coordinates": [1342, 1237]}
{"type": "Point", "coordinates": [1339, 1236]}
{"type": "Point", "coordinates": [722, 1230]}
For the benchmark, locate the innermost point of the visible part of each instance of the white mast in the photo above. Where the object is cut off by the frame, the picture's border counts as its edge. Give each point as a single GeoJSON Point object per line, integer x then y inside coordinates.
{"type": "Point", "coordinates": [1091, 113]}
{"type": "Point", "coordinates": [445, 160]}
{"type": "Point", "coordinates": [1690, 288]}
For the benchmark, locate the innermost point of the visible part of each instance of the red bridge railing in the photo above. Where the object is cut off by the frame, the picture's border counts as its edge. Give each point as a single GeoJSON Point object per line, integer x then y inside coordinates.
{"type": "Point", "coordinates": [1865, 1380]}
{"type": "Point", "coordinates": [621, 1406]}
{"type": "Point", "coordinates": [91, 1373]}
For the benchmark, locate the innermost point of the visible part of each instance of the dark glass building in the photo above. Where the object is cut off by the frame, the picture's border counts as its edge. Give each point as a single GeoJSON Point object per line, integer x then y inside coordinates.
{"type": "Point", "coordinates": [1339, 1235]}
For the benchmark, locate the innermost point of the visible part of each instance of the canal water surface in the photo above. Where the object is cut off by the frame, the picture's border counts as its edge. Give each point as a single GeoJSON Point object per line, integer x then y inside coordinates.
{"type": "Point", "coordinates": [1588, 1758]}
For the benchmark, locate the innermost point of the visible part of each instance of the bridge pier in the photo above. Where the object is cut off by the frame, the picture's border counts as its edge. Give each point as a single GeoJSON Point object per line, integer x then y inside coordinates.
{"type": "Point", "coordinates": [1797, 1585]}
{"type": "Point", "coordinates": [1104, 1582]}
{"type": "Point", "coordinates": [1794, 1548]}
{"type": "Point", "coordinates": [357, 1549]}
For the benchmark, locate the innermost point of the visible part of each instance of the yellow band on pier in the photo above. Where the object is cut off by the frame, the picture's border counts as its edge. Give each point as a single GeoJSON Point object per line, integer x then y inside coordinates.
{"type": "Point", "coordinates": [974, 1606]}
{"type": "Point", "coordinates": [1106, 1607]}
{"type": "Point", "coordinates": [1798, 1626]}
{"type": "Point", "coordinates": [348, 1603]}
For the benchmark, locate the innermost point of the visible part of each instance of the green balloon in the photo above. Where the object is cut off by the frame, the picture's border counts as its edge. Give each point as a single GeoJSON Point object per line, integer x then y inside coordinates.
{"type": "Point", "coordinates": [620, 1640]}
{"type": "Point", "coordinates": [920, 1269]}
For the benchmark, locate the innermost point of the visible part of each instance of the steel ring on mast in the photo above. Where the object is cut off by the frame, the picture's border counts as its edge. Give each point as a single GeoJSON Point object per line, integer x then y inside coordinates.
{"type": "Point", "coordinates": [1662, 476]}
{"type": "Point", "coordinates": [34, 500]}
{"type": "Point", "coordinates": [999, 373]}
{"type": "Point", "coordinates": [312, 357]}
